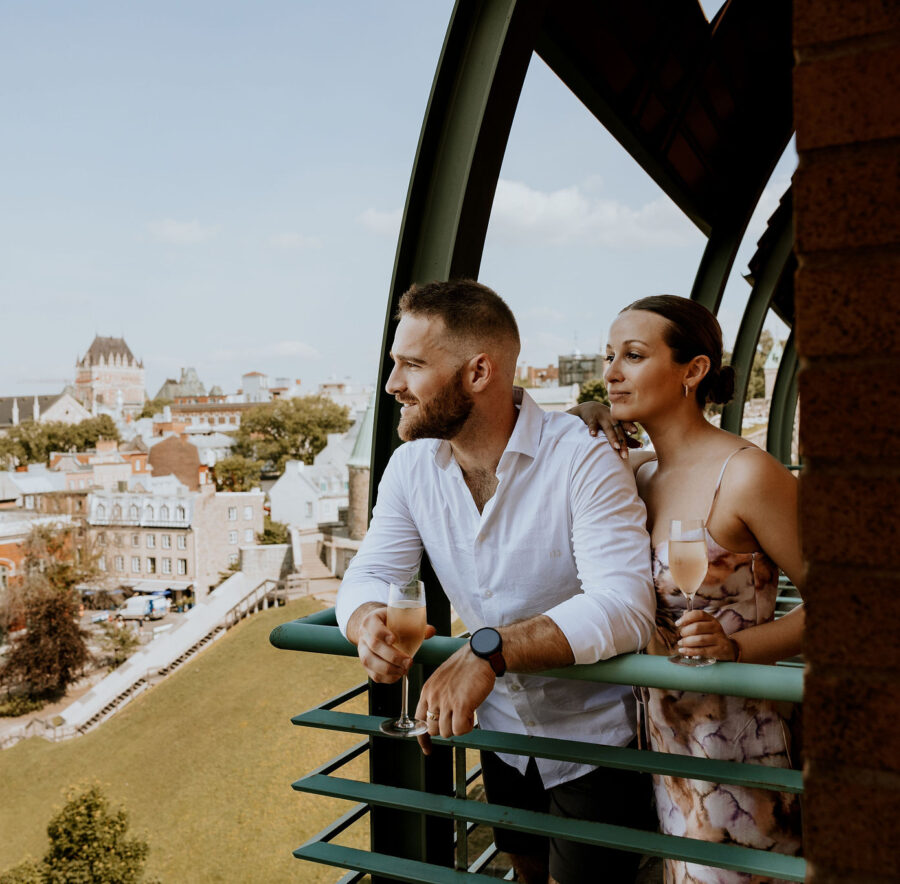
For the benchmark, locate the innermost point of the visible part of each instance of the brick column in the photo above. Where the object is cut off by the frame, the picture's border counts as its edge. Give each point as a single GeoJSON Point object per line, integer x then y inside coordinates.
{"type": "Point", "coordinates": [847, 204]}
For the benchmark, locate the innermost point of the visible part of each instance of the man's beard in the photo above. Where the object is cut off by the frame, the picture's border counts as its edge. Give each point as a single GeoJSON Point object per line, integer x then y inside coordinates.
{"type": "Point", "coordinates": [442, 416]}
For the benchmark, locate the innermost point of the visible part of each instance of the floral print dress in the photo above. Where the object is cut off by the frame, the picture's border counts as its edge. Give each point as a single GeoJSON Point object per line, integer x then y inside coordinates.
{"type": "Point", "coordinates": [739, 591]}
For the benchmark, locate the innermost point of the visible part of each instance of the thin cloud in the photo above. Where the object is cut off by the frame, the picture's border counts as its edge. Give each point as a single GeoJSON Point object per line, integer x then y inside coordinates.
{"type": "Point", "coordinates": [181, 233]}
{"type": "Point", "coordinates": [296, 241]}
{"type": "Point", "coordinates": [382, 223]}
{"type": "Point", "coordinates": [295, 349]}
{"type": "Point", "coordinates": [571, 215]}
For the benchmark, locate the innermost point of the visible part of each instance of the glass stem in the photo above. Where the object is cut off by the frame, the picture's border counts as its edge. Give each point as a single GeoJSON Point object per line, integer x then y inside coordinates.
{"type": "Point", "coordinates": [404, 714]}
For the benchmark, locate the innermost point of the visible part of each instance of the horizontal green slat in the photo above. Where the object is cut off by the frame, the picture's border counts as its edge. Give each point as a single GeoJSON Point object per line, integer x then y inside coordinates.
{"type": "Point", "coordinates": [726, 856]}
{"type": "Point", "coordinates": [389, 866]}
{"type": "Point", "coordinates": [733, 679]}
{"type": "Point", "coordinates": [732, 772]}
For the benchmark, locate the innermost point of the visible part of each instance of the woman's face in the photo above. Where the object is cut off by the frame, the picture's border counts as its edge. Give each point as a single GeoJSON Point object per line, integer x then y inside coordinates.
{"type": "Point", "coordinates": [641, 377]}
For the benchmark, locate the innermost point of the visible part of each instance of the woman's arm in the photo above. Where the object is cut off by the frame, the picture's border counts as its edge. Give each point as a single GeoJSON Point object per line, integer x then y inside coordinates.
{"type": "Point", "coordinates": [763, 494]}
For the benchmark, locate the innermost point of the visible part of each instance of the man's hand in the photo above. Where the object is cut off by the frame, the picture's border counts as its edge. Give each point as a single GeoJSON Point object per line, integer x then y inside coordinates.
{"type": "Point", "coordinates": [452, 694]}
{"type": "Point", "coordinates": [367, 629]}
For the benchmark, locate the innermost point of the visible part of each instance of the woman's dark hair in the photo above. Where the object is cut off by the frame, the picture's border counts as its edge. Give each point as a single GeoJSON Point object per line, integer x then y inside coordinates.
{"type": "Point", "coordinates": [691, 330]}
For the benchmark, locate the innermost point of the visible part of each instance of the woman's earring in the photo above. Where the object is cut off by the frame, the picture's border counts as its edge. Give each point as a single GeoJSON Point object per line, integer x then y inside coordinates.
{"type": "Point", "coordinates": [685, 391]}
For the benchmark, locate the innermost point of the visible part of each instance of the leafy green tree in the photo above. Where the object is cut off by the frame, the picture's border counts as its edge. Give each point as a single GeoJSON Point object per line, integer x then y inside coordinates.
{"type": "Point", "coordinates": [237, 473]}
{"type": "Point", "coordinates": [26, 872]}
{"type": "Point", "coordinates": [33, 442]}
{"type": "Point", "coordinates": [118, 642]}
{"type": "Point", "coordinates": [154, 406]}
{"type": "Point", "coordinates": [89, 844]}
{"type": "Point", "coordinates": [274, 532]}
{"type": "Point", "coordinates": [289, 429]}
{"type": "Point", "coordinates": [593, 390]}
{"type": "Point", "coordinates": [756, 388]}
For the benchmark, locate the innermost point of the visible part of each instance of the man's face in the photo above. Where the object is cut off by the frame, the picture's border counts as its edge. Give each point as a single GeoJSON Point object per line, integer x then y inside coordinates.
{"type": "Point", "coordinates": [427, 380]}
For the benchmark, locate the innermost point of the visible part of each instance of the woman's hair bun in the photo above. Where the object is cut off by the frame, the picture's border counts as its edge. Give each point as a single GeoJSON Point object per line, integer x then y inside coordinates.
{"type": "Point", "coordinates": [721, 387]}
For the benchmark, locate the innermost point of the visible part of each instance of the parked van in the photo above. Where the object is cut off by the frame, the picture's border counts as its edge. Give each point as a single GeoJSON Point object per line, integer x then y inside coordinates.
{"type": "Point", "coordinates": [144, 607]}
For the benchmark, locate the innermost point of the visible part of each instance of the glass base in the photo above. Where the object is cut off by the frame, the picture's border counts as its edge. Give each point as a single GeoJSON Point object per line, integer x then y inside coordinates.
{"type": "Point", "coordinates": [692, 661]}
{"type": "Point", "coordinates": [410, 727]}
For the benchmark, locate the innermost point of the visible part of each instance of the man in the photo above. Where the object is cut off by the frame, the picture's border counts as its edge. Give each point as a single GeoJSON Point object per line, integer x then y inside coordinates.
{"type": "Point", "coordinates": [537, 535]}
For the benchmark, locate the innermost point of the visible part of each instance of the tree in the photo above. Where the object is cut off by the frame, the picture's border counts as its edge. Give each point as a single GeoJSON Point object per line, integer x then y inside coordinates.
{"type": "Point", "coordinates": [593, 390]}
{"type": "Point", "coordinates": [89, 844]}
{"type": "Point", "coordinates": [289, 429]}
{"type": "Point", "coordinates": [154, 406]}
{"type": "Point", "coordinates": [32, 442]}
{"type": "Point", "coordinates": [274, 532]}
{"type": "Point", "coordinates": [118, 642]}
{"type": "Point", "coordinates": [52, 652]}
{"type": "Point", "coordinates": [756, 388]}
{"type": "Point", "coordinates": [237, 473]}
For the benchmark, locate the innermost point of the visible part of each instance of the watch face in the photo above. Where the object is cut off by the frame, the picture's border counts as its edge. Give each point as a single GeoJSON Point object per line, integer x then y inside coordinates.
{"type": "Point", "coordinates": [486, 642]}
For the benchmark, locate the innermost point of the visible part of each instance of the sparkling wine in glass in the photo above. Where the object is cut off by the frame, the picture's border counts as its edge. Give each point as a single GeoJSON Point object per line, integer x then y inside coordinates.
{"type": "Point", "coordinates": [687, 565]}
{"type": "Point", "coordinates": [406, 619]}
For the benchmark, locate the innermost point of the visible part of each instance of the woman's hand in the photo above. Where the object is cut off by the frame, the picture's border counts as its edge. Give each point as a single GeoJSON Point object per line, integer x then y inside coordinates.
{"type": "Point", "coordinates": [597, 417]}
{"type": "Point", "coordinates": [701, 635]}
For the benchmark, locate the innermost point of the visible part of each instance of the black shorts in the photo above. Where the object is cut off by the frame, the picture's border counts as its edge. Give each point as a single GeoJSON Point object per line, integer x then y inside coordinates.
{"type": "Point", "coordinates": [604, 795]}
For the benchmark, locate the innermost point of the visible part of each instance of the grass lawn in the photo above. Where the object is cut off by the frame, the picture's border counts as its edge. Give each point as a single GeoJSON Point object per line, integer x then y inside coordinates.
{"type": "Point", "coordinates": [203, 763]}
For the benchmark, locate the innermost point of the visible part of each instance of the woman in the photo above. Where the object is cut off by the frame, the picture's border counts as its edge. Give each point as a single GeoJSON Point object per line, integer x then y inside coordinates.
{"type": "Point", "coordinates": [664, 362]}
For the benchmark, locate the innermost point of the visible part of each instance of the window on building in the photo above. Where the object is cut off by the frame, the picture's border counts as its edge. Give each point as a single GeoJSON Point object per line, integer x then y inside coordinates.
{"type": "Point", "coordinates": [135, 539]}
{"type": "Point", "coordinates": [233, 559]}
{"type": "Point", "coordinates": [120, 563]}
{"type": "Point", "coordinates": [149, 514]}
{"type": "Point", "coordinates": [182, 541]}
{"type": "Point", "coordinates": [182, 566]}
{"type": "Point", "coordinates": [151, 565]}
{"type": "Point", "coordinates": [151, 541]}
{"type": "Point", "coordinates": [179, 512]}
{"type": "Point", "coordinates": [167, 566]}
{"type": "Point", "coordinates": [164, 513]}
{"type": "Point", "coordinates": [117, 512]}
{"type": "Point", "coordinates": [166, 541]}
{"type": "Point", "coordinates": [232, 514]}
{"type": "Point", "coordinates": [133, 511]}
{"type": "Point", "coordinates": [4, 577]}
{"type": "Point", "coordinates": [119, 539]}
{"type": "Point", "coordinates": [101, 511]}
{"type": "Point", "coordinates": [101, 538]}
{"type": "Point", "coordinates": [248, 536]}
{"type": "Point", "coordinates": [101, 563]}
{"type": "Point", "coordinates": [309, 509]}
{"type": "Point", "coordinates": [136, 564]}
{"type": "Point", "coordinates": [248, 513]}
{"type": "Point", "coordinates": [232, 536]}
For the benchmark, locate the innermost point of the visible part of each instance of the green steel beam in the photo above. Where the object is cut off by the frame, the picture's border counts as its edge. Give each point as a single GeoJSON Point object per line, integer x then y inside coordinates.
{"type": "Point", "coordinates": [725, 856]}
{"type": "Point", "coordinates": [752, 323]}
{"type": "Point", "coordinates": [780, 433]}
{"type": "Point", "coordinates": [756, 776]}
{"type": "Point", "coordinates": [733, 679]}
{"type": "Point", "coordinates": [382, 864]}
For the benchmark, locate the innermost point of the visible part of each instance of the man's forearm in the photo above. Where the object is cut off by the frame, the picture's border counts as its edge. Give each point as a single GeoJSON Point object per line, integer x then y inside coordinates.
{"type": "Point", "coordinates": [535, 644]}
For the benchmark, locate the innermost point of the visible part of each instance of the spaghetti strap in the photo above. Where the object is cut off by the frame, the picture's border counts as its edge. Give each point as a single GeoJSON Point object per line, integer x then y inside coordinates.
{"type": "Point", "coordinates": [715, 496]}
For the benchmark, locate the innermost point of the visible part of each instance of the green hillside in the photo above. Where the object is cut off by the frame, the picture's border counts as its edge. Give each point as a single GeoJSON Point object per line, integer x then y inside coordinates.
{"type": "Point", "coordinates": [203, 762]}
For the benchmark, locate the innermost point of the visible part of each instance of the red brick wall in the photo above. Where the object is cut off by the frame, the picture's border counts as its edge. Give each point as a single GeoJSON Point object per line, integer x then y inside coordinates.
{"type": "Point", "coordinates": [847, 111]}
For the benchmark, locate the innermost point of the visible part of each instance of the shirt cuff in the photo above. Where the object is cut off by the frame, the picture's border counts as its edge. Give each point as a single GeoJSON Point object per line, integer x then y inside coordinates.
{"type": "Point", "coordinates": [350, 597]}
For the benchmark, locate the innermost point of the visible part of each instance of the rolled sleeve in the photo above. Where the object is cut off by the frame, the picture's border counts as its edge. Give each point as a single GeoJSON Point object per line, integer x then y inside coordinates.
{"type": "Point", "coordinates": [614, 613]}
{"type": "Point", "coordinates": [390, 552]}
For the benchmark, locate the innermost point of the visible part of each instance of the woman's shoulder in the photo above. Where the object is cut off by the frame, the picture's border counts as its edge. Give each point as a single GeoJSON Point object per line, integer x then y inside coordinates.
{"type": "Point", "coordinates": [754, 474]}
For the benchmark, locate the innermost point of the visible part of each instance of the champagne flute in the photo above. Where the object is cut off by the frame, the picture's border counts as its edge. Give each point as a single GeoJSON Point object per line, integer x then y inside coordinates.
{"type": "Point", "coordinates": [688, 565]}
{"type": "Point", "coordinates": [406, 619]}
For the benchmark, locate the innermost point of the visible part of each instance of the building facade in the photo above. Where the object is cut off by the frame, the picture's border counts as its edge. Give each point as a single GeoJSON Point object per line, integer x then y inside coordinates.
{"type": "Point", "coordinates": [109, 378]}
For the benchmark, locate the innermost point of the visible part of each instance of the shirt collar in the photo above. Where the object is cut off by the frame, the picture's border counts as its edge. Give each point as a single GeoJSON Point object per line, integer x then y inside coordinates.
{"type": "Point", "coordinates": [525, 438]}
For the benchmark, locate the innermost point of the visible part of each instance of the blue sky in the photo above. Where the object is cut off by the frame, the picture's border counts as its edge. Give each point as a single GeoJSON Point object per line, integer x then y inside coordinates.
{"type": "Point", "coordinates": [221, 184]}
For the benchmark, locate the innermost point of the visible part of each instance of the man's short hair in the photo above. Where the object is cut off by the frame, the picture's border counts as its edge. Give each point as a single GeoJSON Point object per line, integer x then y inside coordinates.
{"type": "Point", "coordinates": [470, 311]}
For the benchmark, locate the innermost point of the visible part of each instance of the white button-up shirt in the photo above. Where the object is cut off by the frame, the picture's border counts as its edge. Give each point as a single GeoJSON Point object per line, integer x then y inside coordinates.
{"type": "Point", "coordinates": [564, 535]}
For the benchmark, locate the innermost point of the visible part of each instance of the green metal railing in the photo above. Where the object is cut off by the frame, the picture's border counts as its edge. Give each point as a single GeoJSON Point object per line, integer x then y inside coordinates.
{"type": "Point", "coordinates": [319, 634]}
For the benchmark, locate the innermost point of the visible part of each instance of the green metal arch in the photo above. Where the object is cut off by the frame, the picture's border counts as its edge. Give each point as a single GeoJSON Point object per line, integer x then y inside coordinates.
{"type": "Point", "coordinates": [783, 407]}
{"type": "Point", "coordinates": [758, 303]}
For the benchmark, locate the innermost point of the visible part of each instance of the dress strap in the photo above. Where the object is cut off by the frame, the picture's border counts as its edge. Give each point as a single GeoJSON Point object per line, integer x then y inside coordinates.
{"type": "Point", "coordinates": [719, 481]}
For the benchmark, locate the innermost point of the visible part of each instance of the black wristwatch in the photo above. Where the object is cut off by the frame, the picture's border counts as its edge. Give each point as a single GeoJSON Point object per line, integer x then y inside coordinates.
{"type": "Point", "coordinates": [487, 643]}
